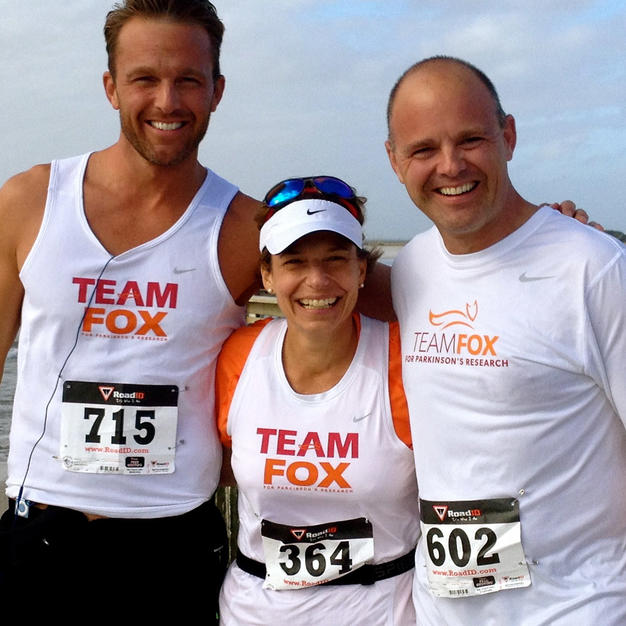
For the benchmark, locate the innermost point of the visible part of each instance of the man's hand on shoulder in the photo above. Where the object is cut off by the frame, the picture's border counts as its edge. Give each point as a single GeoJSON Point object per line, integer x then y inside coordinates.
{"type": "Point", "coordinates": [568, 208]}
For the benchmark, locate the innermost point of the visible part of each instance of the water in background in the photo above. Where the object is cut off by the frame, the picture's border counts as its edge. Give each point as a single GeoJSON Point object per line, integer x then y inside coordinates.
{"type": "Point", "coordinates": [6, 400]}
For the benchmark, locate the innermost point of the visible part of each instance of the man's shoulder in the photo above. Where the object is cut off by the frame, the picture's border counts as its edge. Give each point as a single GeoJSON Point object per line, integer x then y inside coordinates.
{"type": "Point", "coordinates": [24, 195]}
{"type": "Point", "coordinates": [22, 203]}
{"type": "Point", "coordinates": [420, 243]}
{"type": "Point", "coordinates": [580, 240]}
{"type": "Point", "coordinates": [243, 207]}
{"type": "Point", "coordinates": [571, 249]}
{"type": "Point", "coordinates": [27, 181]}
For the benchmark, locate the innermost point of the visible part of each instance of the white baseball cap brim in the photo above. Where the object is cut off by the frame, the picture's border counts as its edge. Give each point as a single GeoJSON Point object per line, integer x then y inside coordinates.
{"type": "Point", "coordinates": [306, 216]}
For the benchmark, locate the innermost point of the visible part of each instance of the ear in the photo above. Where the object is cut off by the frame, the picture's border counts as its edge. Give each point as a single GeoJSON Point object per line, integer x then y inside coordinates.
{"type": "Point", "coordinates": [362, 270]}
{"type": "Point", "coordinates": [111, 91]}
{"type": "Point", "coordinates": [509, 134]}
{"type": "Point", "coordinates": [393, 160]}
{"type": "Point", "coordinates": [218, 92]}
{"type": "Point", "coordinates": [266, 277]}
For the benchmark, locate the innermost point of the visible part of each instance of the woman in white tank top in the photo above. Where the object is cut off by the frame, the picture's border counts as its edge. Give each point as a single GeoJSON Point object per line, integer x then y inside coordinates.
{"type": "Point", "coordinates": [313, 409]}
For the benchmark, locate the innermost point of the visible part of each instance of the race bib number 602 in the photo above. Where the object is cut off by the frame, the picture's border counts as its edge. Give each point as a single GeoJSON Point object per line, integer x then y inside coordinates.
{"type": "Point", "coordinates": [473, 547]}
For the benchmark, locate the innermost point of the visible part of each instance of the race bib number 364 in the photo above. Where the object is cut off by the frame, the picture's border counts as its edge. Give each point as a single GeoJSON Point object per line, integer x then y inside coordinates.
{"type": "Point", "coordinates": [116, 428]}
{"type": "Point", "coordinates": [303, 556]}
{"type": "Point", "coordinates": [473, 547]}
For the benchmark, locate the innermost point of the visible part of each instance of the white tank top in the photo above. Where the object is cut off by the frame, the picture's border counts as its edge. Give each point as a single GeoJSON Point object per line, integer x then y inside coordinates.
{"type": "Point", "coordinates": [307, 460]}
{"type": "Point", "coordinates": [143, 356]}
{"type": "Point", "coordinates": [286, 447]}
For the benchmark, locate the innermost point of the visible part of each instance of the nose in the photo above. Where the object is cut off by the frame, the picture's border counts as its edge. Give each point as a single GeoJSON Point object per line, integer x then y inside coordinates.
{"type": "Point", "coordinates": [167, 98]}
{"type": "Point", "coordinates": [317, 276]}
{"type": "Point", "coordinates": [451, 162]}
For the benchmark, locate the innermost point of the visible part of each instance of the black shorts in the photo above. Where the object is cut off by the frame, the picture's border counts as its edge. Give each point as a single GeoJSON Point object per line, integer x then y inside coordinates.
{"type": "Point", "coordinates": [132, 567]}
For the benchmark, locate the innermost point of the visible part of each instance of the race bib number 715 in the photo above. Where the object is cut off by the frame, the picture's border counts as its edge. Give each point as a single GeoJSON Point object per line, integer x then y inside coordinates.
{"type": "Point", "coordinates": [116, 428]}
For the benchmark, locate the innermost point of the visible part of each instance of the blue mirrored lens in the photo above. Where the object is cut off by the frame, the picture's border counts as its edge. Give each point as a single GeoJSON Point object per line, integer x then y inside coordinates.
{"type": "Point", "coordinates": [334, 186]}
{"type": "Point", "coordinates": [290, 189]}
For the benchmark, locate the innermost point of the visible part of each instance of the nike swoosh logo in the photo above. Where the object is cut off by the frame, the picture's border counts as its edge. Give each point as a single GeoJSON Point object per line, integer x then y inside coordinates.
{"type": "Point", "coordinates": [183, 271]}
{"type": "Point", "coordinates": [360, 419]}
{"type": "Point", "coordinates": [528, 279]}
{"type": "Point", "coordinates": [309, 212]}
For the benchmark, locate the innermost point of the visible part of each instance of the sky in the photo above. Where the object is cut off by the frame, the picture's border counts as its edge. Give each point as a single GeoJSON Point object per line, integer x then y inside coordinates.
{"type": "Point", "coordinates": [307, 83]}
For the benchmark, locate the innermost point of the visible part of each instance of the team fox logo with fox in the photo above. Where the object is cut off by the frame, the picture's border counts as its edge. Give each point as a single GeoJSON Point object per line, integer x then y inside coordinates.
{"type": "Point", "coordinates": [453, 339]}
{"type": "Point", "coordinates": [455, 317]}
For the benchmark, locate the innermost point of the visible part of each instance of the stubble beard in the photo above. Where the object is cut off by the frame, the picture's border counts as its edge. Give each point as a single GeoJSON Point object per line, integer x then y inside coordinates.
{"type": "Point", "coordinates": [145, 149]}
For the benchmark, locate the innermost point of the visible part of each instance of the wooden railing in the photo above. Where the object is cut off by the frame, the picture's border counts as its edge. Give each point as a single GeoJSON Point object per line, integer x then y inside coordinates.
{"type": "Point", "coordinates": [226, 501]}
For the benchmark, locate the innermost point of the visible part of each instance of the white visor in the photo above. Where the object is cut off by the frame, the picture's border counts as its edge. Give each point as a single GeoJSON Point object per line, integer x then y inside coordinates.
{"type": "Point", "coordinates": [308, 216]}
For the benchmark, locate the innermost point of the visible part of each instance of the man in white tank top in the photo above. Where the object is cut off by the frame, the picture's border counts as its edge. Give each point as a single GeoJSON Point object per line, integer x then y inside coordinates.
{"type": "Point", "coordinates": [125, 270]}
{"type": "Point", "coordinates": [513, 337]}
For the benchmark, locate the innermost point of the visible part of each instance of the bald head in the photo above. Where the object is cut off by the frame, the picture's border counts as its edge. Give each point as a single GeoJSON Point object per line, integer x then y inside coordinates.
{"type": "Point", "coordinates": [449, 145]}
{"type": "Point", "coordinates": [456, 69]}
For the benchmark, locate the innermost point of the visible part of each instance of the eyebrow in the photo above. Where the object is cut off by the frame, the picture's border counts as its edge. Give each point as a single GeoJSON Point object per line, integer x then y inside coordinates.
{"type": "Point", "coordinates": [415, 145]}
{"type": "Point", "coordinates": [430, 141]}
{"type": "Point", "coordinates": [471, 132]}
{"type": "Point", "coordinates": [150, 70]}
{"type": "Point", "coordinates": [142, 69]}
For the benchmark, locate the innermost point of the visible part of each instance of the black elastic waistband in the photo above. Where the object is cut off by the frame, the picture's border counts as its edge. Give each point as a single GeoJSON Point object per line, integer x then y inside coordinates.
{"type": "Point", "coordinates": [200, 511]}
{"type": "Point", "coordinates": [364, 575]}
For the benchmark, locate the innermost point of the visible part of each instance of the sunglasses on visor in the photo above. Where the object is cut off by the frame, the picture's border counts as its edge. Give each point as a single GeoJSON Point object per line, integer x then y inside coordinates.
{"type": "Point", "coordinates": [293, 189]}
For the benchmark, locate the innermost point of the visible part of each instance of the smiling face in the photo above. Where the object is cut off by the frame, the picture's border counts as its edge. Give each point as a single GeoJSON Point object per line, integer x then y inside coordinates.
{"type": "Point", "coordinates": [163, 88]}
{"type": "Point", "coordinates": [316, 281]}
{"type": "Point", "coordinates": [450, 151]}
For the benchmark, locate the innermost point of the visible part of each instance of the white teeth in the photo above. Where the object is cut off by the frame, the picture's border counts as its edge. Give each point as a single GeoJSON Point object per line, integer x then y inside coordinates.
{"type": "Point", "coordinates": [167, 125]}
{"type": "Point", "coordinates": [457, 191]}
{"type": "Point", "coordinates": [324, 303]}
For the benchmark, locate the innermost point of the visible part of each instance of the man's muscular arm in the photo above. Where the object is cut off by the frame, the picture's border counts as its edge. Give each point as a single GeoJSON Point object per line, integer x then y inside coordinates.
{"type": "Point", "coordinates": [375, 297]}
{"type": "Point", "coordinates": [22, 201]}
{"type": "Point", "coordinates": [239, 248]}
